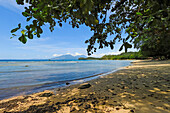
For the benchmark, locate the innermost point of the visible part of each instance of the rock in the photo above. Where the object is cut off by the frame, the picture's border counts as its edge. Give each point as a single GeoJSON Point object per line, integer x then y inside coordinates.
{"type": "Point", "coordinates": [67, 83]}
{"type": "Point", "coordinates": [26, 65]}
{"type": "Point", "coordinates": [117, 108]}
{"type": "Point", "coordinates": [84, 86]}
{"type": "Point", "coordinates": [46, 95]}
{"type": "Point", "coordinates": [132, 111]}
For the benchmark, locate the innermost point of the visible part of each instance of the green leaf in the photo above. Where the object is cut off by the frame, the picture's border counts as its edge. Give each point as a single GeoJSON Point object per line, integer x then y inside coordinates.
{"type": "Point", "coordinates": [22, 39]}
{"type": "Point", "coordinates": [14, 34]}
{"type": "Point", "coordinates": [14, 30]}
{"type": "Point", "coordinates": [118, 30]}
{"type": "Point", "coordinates": [28, 19]}
{"type": "Point", "coordinates": [60, 24]}
{"type": "Point", "coordinates": [23, 32]}
{"type": "Point", "coordinates": [39, 30]}
{"type": "Point", "coordinates": [27, 27]}
{"type": "Point", "coordinates": [84, 1]}
{"type": "Point", "coordinates": [19, 25]}
{"type": "Point", "coordinates": [25, 14]}
{"type": "Point", "coordinates": [20, 2]}
{"type": "Point", "coordinates": [163, 18]}
{"type": "Point", "coordinates": [127, 37]}
{"type": "Point", "coordinates": [146, 10]}
{"type": "Point", "coordinates": [35, 9]}
{"type": "Point", "coordinates": [96, 21]}
{"type": "Point", "coordinates": [121, 47]}
{"type": "Point", "coordinates": [30, 35]}
{"type": "Point", "coordinates": [38, 35]}
{"type": "Point", "coordinates": [92, 28]}
{"type": "Point", "coordinates": [139, 13]}
{"type": "Point", "coordinates": [111, 46]}
{"type": "Point", "coordinates": [86, 41]}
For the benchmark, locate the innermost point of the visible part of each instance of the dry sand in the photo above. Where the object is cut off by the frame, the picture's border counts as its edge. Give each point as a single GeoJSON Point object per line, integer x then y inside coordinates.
{"type": "Point", "coordinates": [143, 87]}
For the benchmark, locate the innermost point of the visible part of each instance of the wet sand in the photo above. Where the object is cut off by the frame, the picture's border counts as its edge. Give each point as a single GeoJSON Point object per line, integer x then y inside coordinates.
{"type": "Point", "coordinates": [143, 87]}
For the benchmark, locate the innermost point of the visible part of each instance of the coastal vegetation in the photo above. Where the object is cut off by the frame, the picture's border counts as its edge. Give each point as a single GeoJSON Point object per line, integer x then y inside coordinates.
{"type": "Point", "coordinates": [145, 23]}
{"type": "Point", "coordinates": [89, 58]}
{"type": "Point", "coordinates": [128, 55]}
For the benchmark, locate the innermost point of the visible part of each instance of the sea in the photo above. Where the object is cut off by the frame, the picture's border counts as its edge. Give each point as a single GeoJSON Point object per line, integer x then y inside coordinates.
{"type": "Point", "coordinates": [20, 77]}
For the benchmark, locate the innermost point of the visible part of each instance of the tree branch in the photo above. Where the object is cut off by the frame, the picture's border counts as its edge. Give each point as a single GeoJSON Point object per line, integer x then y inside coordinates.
{"type": "Point", "coordinates": [118, 5]}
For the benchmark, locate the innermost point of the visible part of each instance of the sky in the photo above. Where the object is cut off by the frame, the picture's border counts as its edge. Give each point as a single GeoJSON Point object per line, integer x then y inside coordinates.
{"type": "Point", "coordinates": [61, 41]}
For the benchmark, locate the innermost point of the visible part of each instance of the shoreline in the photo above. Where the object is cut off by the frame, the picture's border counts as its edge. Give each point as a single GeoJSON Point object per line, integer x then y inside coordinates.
{"type": "Point", "coordinates": [136, 88]}
{"type": "Point", "coordinates": [63, 84]}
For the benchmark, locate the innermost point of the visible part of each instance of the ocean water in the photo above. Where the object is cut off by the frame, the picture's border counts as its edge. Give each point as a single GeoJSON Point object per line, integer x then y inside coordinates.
{"type": "Point", "coordinates": [25, 77]}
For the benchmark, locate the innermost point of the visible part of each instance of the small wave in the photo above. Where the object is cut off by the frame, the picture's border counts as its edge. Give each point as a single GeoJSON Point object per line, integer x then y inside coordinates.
{"type": "Point", "coordinates": [32, 70]}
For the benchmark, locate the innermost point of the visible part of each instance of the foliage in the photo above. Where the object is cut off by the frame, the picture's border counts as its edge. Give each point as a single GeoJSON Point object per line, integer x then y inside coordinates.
{"type": "Point", "coordinates": [140, 19]}
{"type": "Point", "coordinates": [156, 47]}
{"type": "Point", "coordinates": [126, 45]}
{"type": "Point", "coordinates": [128, 55]}
{"type": "Point", "coordinates": [90, 58]}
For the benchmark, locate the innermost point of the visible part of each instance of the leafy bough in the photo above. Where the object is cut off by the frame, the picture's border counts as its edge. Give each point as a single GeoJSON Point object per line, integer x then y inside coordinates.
{"type": "Point", "coordinates": [139, 19]}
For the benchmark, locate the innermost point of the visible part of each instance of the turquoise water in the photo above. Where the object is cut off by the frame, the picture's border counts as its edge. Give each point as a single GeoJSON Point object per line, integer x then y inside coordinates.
{"type": "Point", "coordinates": [25, 77]}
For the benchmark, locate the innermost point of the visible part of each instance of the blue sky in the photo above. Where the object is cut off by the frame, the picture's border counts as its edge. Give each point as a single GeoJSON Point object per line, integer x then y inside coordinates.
{"type": "Point", "coordinates": [65, 40]}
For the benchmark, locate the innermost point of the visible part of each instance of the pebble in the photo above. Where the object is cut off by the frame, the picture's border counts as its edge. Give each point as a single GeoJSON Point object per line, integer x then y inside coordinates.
{"type": "Point", "coordinates": [84, 86]}
{"type": "Point", "coordinates": [132, 111]}
{"type": "Point", "coordinates": [67, 83]}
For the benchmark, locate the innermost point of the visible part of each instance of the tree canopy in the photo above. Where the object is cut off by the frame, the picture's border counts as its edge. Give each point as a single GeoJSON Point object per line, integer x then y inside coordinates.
{"type": "Point", "coordinates": [144, 21]}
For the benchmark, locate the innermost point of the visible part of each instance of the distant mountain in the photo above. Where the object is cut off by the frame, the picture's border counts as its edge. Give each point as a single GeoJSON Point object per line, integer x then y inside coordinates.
{"type": "Point", "coordinates": [69, 57]}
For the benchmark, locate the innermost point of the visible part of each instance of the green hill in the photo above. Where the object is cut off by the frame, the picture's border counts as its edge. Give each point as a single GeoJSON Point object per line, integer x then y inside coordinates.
{"type": "Point", "coordinates": [128, 55]}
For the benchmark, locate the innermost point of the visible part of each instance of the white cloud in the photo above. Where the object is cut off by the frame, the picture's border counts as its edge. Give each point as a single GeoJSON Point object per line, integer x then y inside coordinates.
{"type": "Point", "coordinates": [73, 54]}
{"type": "Point", "coordinates": [12, 5]}
{"type": "Point", "coordinates": [68, 53]}
{"type": "Point", "coordinates": [77, 54]}
{"type": "Point", "coordinates": [55, 55]}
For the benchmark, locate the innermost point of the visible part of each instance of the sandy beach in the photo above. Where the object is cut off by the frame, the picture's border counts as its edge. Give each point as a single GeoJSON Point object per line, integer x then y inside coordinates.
{"type": "Point", "coordinates": [143, 87]}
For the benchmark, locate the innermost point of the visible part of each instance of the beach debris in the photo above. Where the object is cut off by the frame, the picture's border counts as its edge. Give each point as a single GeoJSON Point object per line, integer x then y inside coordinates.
{"type": "Point", "coordinates": [67, 83]}
{"type": "Point", "coordinates": [84, 86]}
